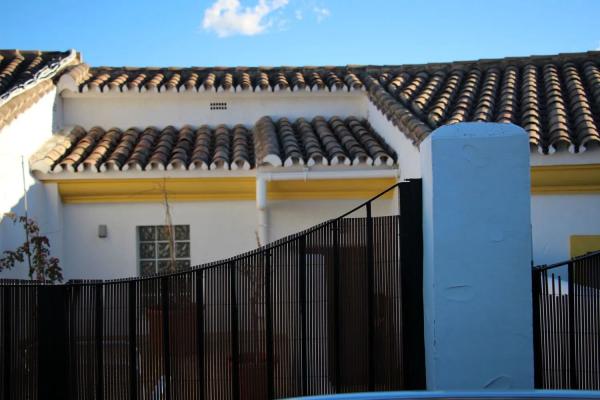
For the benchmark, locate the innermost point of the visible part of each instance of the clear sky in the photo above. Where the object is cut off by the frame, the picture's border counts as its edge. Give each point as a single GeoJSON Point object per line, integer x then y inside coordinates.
{"type": "Point", "coordinates": [299, 32]}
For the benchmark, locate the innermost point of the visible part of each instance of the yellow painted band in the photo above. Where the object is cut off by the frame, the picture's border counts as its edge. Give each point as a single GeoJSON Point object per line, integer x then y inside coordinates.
{"type": "Point", "coordinates": [565, 179]}
{"type": "Point", "coordinates": [552, 179]}
{"type": "Point", "coordinates": [329, 189]}
{"type": "Point", "coordinates": [213, 189]}
{"type": "Point", "coordinates": [582, 244]}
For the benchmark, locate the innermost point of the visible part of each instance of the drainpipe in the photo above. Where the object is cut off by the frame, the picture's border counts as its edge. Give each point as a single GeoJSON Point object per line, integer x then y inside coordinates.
{"type": "Point", "coordinates": [264, 176]}
{"type": "Point", "coordinates": [261, 206]}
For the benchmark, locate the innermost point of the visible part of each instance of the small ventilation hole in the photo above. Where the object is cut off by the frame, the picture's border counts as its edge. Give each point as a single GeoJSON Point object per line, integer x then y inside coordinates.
{"type": "Point", "coordinates": [218, 105]}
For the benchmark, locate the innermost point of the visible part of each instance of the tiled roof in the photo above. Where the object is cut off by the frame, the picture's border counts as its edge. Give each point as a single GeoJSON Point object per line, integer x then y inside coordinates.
{"type": "Point", "coordinates": [556, 99]}
{"type": "Point", "coordinates": [276, 144]}
{"type": "Point", "coordinates": [198, 79]}
{"type": "Point", "coordinates": [24, 78]}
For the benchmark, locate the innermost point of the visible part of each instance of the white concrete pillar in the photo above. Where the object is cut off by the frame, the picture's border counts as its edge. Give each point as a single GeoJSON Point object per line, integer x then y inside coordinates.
{"type": "Point", "coordinates": [477, 257]}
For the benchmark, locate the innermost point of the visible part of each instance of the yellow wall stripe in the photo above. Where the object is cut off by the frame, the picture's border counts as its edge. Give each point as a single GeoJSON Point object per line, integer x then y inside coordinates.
{"type": "Point", "coordinates": [565, 179]}
{"type": "Point", "coordinates": [215, 189]}
{"type": "Point", "coordinates": [545, 180]}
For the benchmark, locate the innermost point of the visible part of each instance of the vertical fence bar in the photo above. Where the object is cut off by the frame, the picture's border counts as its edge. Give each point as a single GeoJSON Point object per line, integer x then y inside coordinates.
{"type": "Point", "coordinates": [336, 304]}
{"type": "Point", "coordinates": [7, 338]}
{"type": "Point", "coordinates": [200, 331]}
{"type": "Point", "coordinates": [164, 286]}
{"type": "Point", "coordinates": [537, 345]}
{"type": "Point", "coordinates": [371, 297]}
{"type": "Point", "coordinates": [302, 300]}
{"type": "Point", "coordinates": [572, 358]}
{"type": "Point", "coordinates": [99, 339]}
{"type": "Point", "coordinates": [411, 280]}
{"type": "Point", "coordinates": [53, 382]}
{"type": "Point", "coordinates": [235, 356]}
{"type": "Point", "coordinates": [132, 342]}
{"type": "Point", "coordinates": [269, 327]}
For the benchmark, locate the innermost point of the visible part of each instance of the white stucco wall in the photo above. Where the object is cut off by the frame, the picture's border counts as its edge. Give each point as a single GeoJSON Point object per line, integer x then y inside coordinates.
{"type": "Point", "coordinates": [126, 110]}
{"type": "Point", "coordinates": [218, 230]}
{"type": "Point", "coordinates": [408, 154]}
{"type": "Point", "coordinates": [556, 217]}
{"type": "Point", "coordinates": [287, 217]}
{"type": "Point", "coordinates": [18, 141]}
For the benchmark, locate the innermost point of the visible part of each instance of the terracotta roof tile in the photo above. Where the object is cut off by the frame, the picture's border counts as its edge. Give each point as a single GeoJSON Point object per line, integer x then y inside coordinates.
{"type": "Point", "coordinates": [319, 142]}
{"type": "Point", "coordinates": [220, 79]}
{"type": "Point", "coordinates": [556, 99]}
{"type": "Point", "coordinates": [280, 143]}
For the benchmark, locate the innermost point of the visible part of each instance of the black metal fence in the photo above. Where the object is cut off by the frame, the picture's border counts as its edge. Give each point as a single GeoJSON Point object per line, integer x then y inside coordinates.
{"type": "Point", "coordinates": [335, 308]}
{"type": "Point", "coordinates": [566, 306]}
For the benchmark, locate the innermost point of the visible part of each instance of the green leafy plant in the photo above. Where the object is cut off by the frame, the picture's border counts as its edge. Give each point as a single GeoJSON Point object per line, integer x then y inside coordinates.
{"type": "Point", "coordinates": [35, 251]}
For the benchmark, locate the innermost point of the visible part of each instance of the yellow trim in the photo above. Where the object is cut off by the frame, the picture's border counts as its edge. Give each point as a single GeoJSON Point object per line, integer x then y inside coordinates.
{"type": "Point", "coordinates": [153, 190]}
{"type": "Point", "coordinates": [582, 244]}
{"type": "Point", "coordinates": [329, 189]}
{"type": "Point", "coordinates": [565, 179]}
{"type": "Point", "coordinates": [216, 189]}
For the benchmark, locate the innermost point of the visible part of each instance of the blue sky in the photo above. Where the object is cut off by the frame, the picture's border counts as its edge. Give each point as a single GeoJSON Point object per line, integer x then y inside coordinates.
{"type": "Point", "coordinates": [299, 32]}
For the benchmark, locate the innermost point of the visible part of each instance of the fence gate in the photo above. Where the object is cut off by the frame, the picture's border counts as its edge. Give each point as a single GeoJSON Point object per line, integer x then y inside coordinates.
{"type": "Point", "coordinates": [335, 308]}
{"type": "Point", "coordinates": [566, 311]}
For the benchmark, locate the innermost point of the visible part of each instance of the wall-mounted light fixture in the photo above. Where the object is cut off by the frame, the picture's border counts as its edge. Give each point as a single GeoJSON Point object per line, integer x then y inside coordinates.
{"type": "Point", "coordinates": [102, 231]}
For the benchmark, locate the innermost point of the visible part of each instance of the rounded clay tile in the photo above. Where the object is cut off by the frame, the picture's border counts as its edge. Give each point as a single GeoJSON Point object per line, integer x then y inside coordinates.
{"type": "Point", "coordinates": [261, 82]}
{"type": "Point", "coordinates": [297, 81]}
{"type": "Point", "coordinates": [244, 82]}
{"type": "Point", "coordinates": [137, 81]}
{"type": "Point", "coordinates": [315, 81]}
{"type": "Point", "coordinates": [123, 150]}
{"type": "Point", "coordinates": [310, 142]}
{"type": "Point", "coordinates": [221, 155]}
{"type": "Point", "coordinates": [191, 81]}
{"type": "Point", "coordinates": [201, 153]}
{"type": "Point", "coordinates": [334, 151]}
{"type": "Point", "coordinates": [353, 82]}
{"type": "Point", "coordinates": [209, 82]}
{"type": "Point", "coordinates": [279, 81]}
{"type": "Point", "coordinates": [173, 83]}
{"type": "Point", "coordinates": [420, 103]}
{"type": "Point", "coordinates": [413, 87]}
{"type": "Point", "coordinates": [241, 148]}
{"type": "Point", "coordinates": [292, 154]}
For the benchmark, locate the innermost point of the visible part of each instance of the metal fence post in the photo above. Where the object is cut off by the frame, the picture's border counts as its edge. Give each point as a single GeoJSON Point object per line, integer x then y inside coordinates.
{"type": "Point", "coordinates": [302, 300]}
{"type": "Point", "coordinates": [537, 345]}
{"type": "Point", "coordinates": [370, 299]}
{"type": "Point", "coordinates": [164, 283]}
{"type": "Point", "coordinates": [200, 331]}
{"type": "Point", "coordinates": [336, 304]}
{"type": "Point", "coordinates": [235, 361]}
{"type": "Point", "coordinates": [53, 382]}
{"type": "Point", "coordinates": [411, 281]}
{"type": "Point", "coordinates": [6, 307]}
{"type": "Point", "coordinates": [132, 341]}
{"type": "Point", "coordinates": [269, 326]}
{"type": "Point", "coordinates": [572, 358]}
{"type": "Point", "coordinates": [99, 339]}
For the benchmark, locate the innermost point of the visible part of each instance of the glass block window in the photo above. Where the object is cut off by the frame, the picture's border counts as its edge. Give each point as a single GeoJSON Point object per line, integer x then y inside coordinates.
{"type": "Point", "coordinates": [155, 245]}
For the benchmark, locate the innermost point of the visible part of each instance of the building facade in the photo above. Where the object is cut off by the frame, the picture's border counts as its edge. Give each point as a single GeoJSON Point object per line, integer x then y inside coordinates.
{"type": "Point", "coordinates": [128, 169]}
